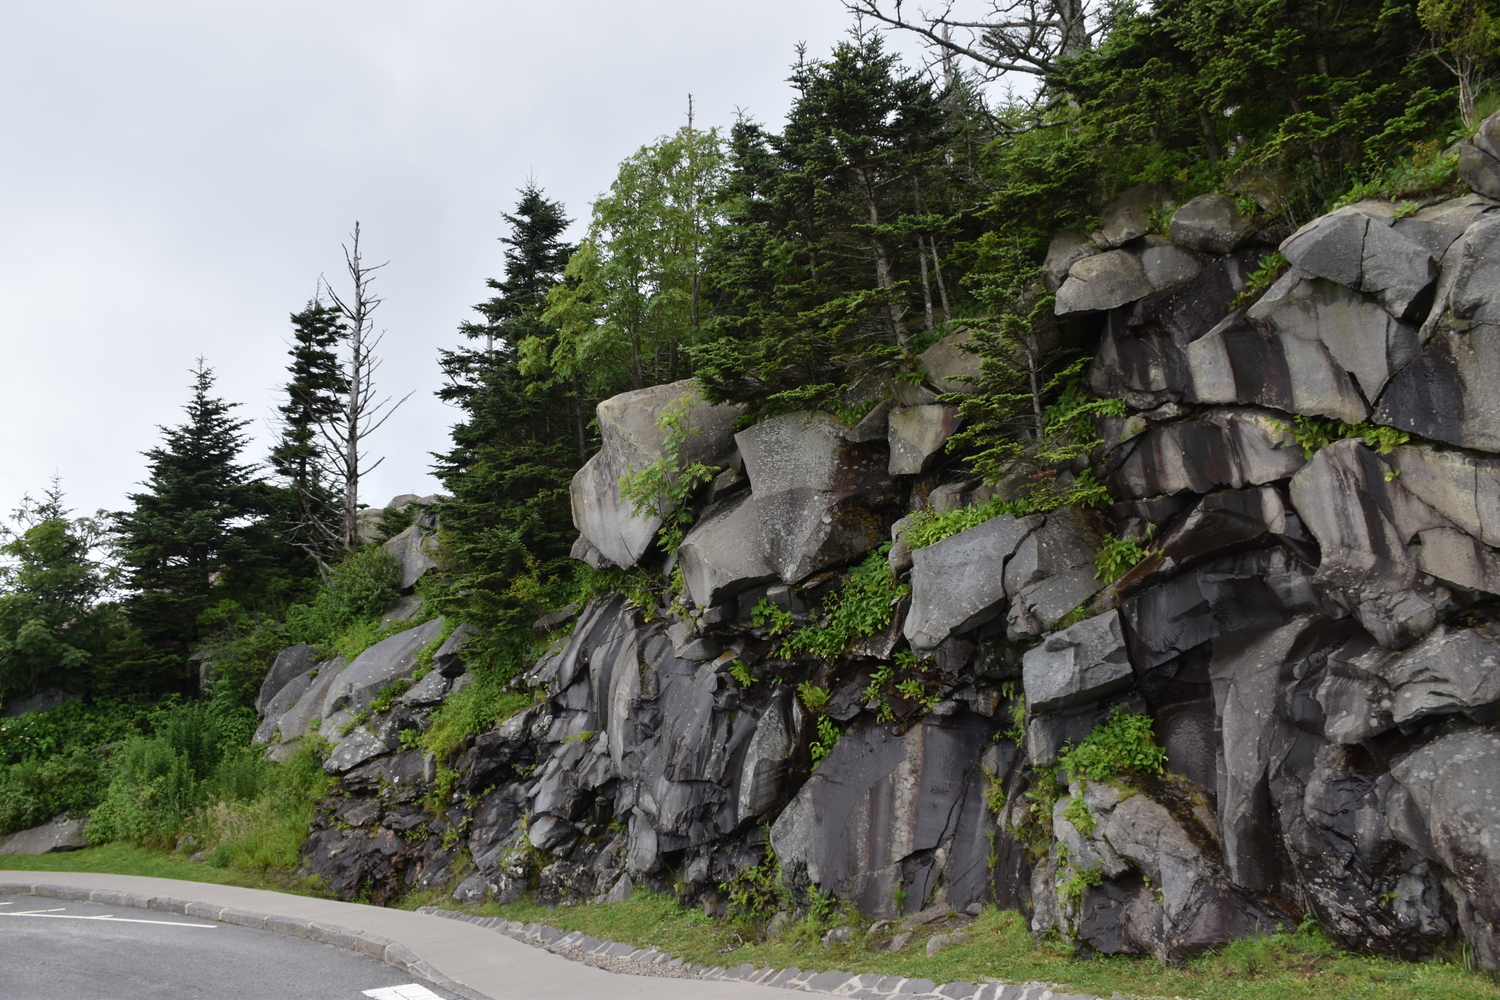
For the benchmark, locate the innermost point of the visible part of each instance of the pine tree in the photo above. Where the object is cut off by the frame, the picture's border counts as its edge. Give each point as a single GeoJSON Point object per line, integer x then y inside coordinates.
{"type": "Point", "coordinates": [191, 535]}
{"type": "Point", "coordinates": [515, 450]}
{"type": "Point", "coordinates": [300, 458]}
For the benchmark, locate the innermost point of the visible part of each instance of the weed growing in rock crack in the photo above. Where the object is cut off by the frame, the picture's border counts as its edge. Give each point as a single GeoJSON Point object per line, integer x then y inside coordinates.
{"type": "Point", "coordinates": [740, 671]}
{"type": "Point", "coordinates": [828, 735]}
{"type": "Point", "coordinates": [1071, 889]}
{"type": "Point", "coordinates": [1315, 433]}
{"type": "Point", "coordinates": [994, 792]}
{"type": "Point", "coordinates": [1077, 812]}
{"type": "Point", "coordinates": [386, 699]}
{"type": "Point", "coordinates": [861, 608]}
{"type": "Point", "coordinates": [814, 698]}
{"type": "Point", "coordinates": [1119, 554]}
{"type": "Point", "coordinates": [1271, 267]}
{"type": "Point", "coordinates": [1123, 745]}
{"type": "Point", "coordinates": [928, 527]}
{"type": "Point", "coordinates": [758, 891]}
{"type": "Point", "coordinates": [771, 617]}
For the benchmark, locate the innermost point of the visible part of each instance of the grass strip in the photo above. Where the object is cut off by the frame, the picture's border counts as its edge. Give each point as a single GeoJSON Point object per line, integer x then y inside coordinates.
{"type": "Point", "coordinates": [122, 859]}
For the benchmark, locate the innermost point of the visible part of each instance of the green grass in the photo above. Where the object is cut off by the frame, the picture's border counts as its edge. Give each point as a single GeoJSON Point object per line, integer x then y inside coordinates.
{"type": "Point", "coordinates": [1277, 967]}
{"type": "Point", "coordinates": [122, 859]}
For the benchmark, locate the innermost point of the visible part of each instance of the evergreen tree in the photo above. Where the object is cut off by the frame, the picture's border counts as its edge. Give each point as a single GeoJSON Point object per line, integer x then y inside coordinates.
{"type": "Point", "coordinates": [300, 458]}
{"type": "Point", "coordinates": [507, 524]}
{"type": "Point", "coordinates": [52, 590]}
{"type": "Point", "coordinates": [191, 535]}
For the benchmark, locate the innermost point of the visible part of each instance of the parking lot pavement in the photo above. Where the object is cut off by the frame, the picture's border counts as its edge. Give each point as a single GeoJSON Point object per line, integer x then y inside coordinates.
{"type": "Point", "coordinates": [52, 949]}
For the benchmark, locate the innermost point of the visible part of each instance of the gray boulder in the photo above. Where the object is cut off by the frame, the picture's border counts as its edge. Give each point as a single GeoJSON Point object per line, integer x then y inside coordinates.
{"type": "Point", "coordinates": [1080, 664]}
{"type": "Point", "coordinates": [1210, 223]}
{"type": "Point", "coordinates": [1438, 227]}
{"type": "Point", "coordinates": [413, 550]}
{"type": "Point", "coordinates": [632, 441]}
{"type": "Point", "coordinates": [1102, 282]}
{"type": "Point", "coordinates": [42, 701]}
{"type": "Point", "coordinates": [293, 723]}
{"type": "Point", "coordinates": [958, 583]}
{"type": "Point", "coordinates": [1462, 487]}
{"type": "Point", "coordinates": [1363, 523]}
{"type": "Point", "coordinates": [1221, 448]}
{"type": "Point", "coordinates": [816, 492]}
{"type": "Point", "coordinates": [1358, 247]}
{"type": "Point", "coordinates": [1169, 266]}
{"type": "Point", "coordinates": [1451, 392]}
{"type": "Point", "coordinates": [280, 705]}
{"type": "Point", "coordinates": [353, 750]}
{"type": "Point", "coordinates": [1066, 249]}
{"type": "Point", "coordinates": [62, 834]}
{"type": "Point", "coordinates": [1128, 216]}
{"type": "Point", "coordinates": [1052, 572]}
{"type": "Point", "coordinates": [723, 554]}
{"type": "Point", "coordinates": [917, 435]}
{"type": "Point", "coordinates": [855, 828]}
{"type": "Point", "coordinates": [948, 366]}
{"type": "Point", "coordinates": [290, 663]}
{"type": "Point", "coordinates": [767, 758]}
{"type": "Point", "coordinates": [1479, 158]}
{"type": "Point", "coordinates": [374, 670]}
{"type": "Point", "coordinates": [1453, 783]}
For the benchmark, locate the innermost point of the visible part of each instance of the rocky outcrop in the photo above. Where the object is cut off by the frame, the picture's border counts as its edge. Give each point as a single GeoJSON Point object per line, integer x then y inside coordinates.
{"type": "Point", "coordinates": [62, 834]}
{"type": "Point", "coordinates": [1312, 634]}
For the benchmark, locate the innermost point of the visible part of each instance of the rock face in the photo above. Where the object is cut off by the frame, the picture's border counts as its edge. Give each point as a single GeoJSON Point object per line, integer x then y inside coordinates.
{"type": "Point", "coordinates": [633, 440]}
{"type": "Point", "coordinates": [948, 366]}
{"type": "Point", "coordinates": [818, 494]}
{"type": "Point", "coordinates": [1479, 158]}
{"type": "Point", "coordinates": [1311, 632]}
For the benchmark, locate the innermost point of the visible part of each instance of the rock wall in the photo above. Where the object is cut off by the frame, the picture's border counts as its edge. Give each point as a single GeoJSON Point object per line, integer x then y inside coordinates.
{"type": "Point", "coordinates": [1314, 634]}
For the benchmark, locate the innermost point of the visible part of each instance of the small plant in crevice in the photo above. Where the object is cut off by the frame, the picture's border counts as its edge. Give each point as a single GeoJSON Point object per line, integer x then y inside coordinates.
{"type": "Point", "coordinates": [814, 697]}
{"type": "Point", "coordinates": [1118, 554]}
{"type": "Point", "coordinates": [828, 735]}
{"type": "Point", "coordinates": [1077, 813]}
{"type": "Point", "coordinates": [771, 617]}
{"type": "Point", "coordinates": [740, 671]}
{"type": "Point", "coordinates": [758, 891]}
{"type": "Point", "coordinates": [861, 608]}
{"type": "Point", "coordinates": [1316, 433]}
{"type": "Point", "coordinates": [1072, 888]}
{"type": "Point", "coordinates": [666, 486]}
{"type": "Point", "coordinates": [1271, 267]}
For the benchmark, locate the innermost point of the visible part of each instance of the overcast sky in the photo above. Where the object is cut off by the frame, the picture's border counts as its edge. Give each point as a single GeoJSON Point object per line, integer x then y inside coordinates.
{"type": "Point", "coordinates": [174, 177]}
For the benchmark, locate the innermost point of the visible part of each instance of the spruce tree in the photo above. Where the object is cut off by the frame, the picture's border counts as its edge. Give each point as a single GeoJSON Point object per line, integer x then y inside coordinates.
{"type": "Point", "coordinates": [300, 458]}
{"type": "Point", "coordinates": [191, 535]}
{"type": "Point", "coordinates": [518, 444]}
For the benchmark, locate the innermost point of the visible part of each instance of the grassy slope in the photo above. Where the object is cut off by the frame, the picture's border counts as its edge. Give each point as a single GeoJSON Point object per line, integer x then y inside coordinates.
{"type": "Point", "coordinates": [120, 859]}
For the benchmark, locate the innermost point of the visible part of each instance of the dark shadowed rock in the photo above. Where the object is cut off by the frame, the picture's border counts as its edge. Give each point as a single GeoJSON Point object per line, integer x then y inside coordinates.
{"type": "Point", "coordinates": [632, 441]}
{"type": "Point", "coordinates": [289, 663]}
{"type": "Point", "coordinates": [958, 583]}
{"type": "Point", "coordinates": [1451, 392]}
{"type": "Point", "coordinates": [917, 435]}
{"type": "Point", "coordinates": [948, 366]}
{"type": "Point", "coordinates": [858, 829]}
{"type": "Point", "coordinates": [816, 491]}
{"type": "Point", "coordinates": [1141, 354]}
{"type": "Point", "coordinates": [42, 701]}
{"type": "Point", "coordinates": [723, 555]}
{"type": "Point", "coordinates": [1224, 447]}
{"type": "Point", "coordinates": [1102, 282]}
{"type": "Point", "coordinates": [1080, 664]}
{"type": "Point", "coordinates": [1454, 783]}
{"type": "Point", "coordinates": [1363, 521]}
{"type": "Point", "coordinates": [1210, 223]}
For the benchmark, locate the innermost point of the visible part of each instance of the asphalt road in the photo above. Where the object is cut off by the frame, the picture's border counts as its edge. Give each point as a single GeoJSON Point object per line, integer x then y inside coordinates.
{"type": "Point", "coordinates": [53, 949]}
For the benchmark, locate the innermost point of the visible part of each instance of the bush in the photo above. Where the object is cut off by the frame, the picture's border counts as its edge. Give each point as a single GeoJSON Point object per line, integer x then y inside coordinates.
{"type": "Point", "coordinates": [1123, 745]}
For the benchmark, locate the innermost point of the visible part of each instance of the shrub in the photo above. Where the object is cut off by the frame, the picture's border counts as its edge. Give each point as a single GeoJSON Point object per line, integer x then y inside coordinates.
{"type": "Point", "coordinates": [861, 608]}
{"type": "Point", "coordinates": [1123, 745]}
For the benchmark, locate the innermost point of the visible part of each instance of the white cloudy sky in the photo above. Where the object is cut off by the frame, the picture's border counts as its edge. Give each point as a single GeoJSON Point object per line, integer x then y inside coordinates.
{"type": "Point", "coordinates": [174, 177]}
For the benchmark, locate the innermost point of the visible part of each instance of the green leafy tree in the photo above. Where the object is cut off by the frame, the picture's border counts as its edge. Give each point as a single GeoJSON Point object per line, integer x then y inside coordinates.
{"type": "Point", "coordinates": [53, 588]}
{"type": "Point", "coordinates": [191, 535]}
{"type": "Point", "coordinates": [633, 300]}
{"type": "Point", "coordinates": [1465, 34]}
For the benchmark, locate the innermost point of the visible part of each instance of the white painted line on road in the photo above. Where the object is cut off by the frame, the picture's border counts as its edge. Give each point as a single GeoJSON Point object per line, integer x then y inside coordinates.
{"type": "Point", "coordinates": [411, 991]}
{"type": "Point", "coordinates": [54, 915]}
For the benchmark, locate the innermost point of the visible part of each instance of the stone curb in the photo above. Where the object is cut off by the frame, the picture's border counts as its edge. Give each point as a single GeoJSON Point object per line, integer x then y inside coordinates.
{"type": "Point", "coordinates": [374, 946]}
{"type": "Point", "coordinates": [869, 984]}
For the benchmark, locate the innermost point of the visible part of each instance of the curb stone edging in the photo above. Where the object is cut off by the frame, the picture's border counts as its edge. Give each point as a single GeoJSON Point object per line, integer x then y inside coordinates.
{"type": "Point", "coordinates": [371, 945]}
{"type": "Point", "coordinates": [870, 985]}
